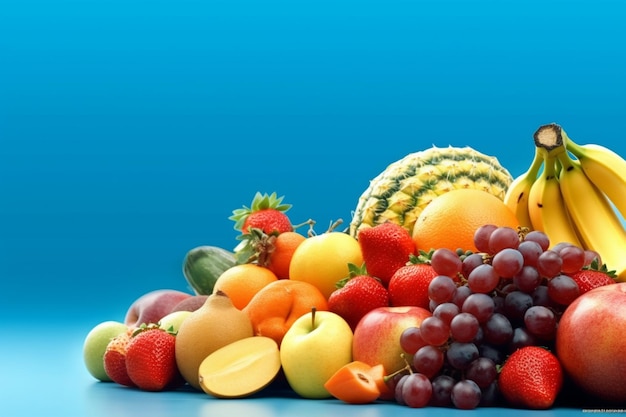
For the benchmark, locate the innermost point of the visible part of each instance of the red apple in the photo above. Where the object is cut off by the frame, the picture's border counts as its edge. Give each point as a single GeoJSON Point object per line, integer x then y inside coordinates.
{"type": "Point", "coordinates": [153, 306]}
{"type": "Point", "coordinates": [377, 335]}
{"type": "Point", "coordinates": [590, 342]}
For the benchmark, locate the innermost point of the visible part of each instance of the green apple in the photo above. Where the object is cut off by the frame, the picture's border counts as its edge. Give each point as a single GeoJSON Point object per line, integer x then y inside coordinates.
{"type": "Point", "coordinates": [315, 346]}
{"type": "Point", "coordinates": [173, 320]}
{"type": "Point", "coordinates": [96, 343]}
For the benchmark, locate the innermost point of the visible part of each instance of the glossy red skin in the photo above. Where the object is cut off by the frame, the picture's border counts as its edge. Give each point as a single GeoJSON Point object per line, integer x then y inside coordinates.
{"type": "Point", "coordinates": [386, 247]}
{"type": "Point", "coordinates": [269, 220]}
{"type": "Point", "coordinates": [377, 335]}
{"type": "Point", "coordinates": [151, 360]}
{"type": "Point", "coordinates": [531, 377]}
{"type": "Point", "coordinates": [359, 296]}
{"type": "Point", "coordinates": [590, 341]}
{"type": "Point", "coordinates": [409, 285]}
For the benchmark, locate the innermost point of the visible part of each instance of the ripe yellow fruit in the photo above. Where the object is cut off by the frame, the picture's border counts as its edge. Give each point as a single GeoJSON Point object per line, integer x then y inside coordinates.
{"type": "Point", "coordinates": [241, 368]}
{"type": "Point", "coordinates": [214, 325]}
{"type": "Point", "coordinates": [323, 259]}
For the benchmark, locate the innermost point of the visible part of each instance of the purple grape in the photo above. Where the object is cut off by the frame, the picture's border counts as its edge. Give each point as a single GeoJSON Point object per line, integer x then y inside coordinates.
{"type": "Point", "coordinates": [482, 235]}
{"type": "Point", "coordinates": [573, 259]}
{"type": "Point", "coordinates": [442, 391]}
{"type": "Point", "coordinates": [460, 355]}
{"type": "Point", "coordinates": [540, 321]}
{"type": "Point", "coordinates": [464, 327]}
{"type": "Point", "coordinates": [428, 360]}
{"type": "Point", "coordinates": [562, 289]}
{"type": "Point", "coordinates": [480, 305]}
{"type": "Point", "coordinates": [411, 340]}
{"type": "Point", "coordinates": [441, 289]}
{"type": "Point", "coordinates": [482, 371]}
{"type": "Point", "coordinates": [521, 337]}
{"type": "Point", "coordinates": [460, 295]}
{"type": "Point", "coordinates": [527, 279]}
{"type": "Point", "coordinates": [549, 264]}
{"type": "Point", "coordinates": [508, 262]}
{"type": "Point", "coordinates": [416, 390]}
{"type": "Point", "coordinates": [516, 303]}
{"type": "Point", "coordinates": [470, 262]}
{"type": "Point", "coordinates": [540, 237]}
{"type": "Point", "coordinates": [434, 331]}
{"type": "Point", "coordinates": [530, 252]}
{"type": "Point", "coordinates": [446, 311]}
{"type": "Point", "coordinates": [466, 394]}
{"type": "Point", "coordinates": [446, 262]}
{"type": "Point", "coordinates": [483, 279]}
{"type": "Point", "coordinates": [502, 238]}
{"type": "Point", "coordinates": [498, 330]}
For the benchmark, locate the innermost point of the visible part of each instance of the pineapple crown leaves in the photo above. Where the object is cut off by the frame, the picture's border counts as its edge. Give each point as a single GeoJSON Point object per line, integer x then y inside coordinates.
{"type": "Point", "coordinates": [259, 202]}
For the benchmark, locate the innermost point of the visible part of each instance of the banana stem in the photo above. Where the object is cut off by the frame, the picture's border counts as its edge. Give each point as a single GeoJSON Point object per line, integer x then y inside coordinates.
{"type": "Point", "coordinates": [549, 137]}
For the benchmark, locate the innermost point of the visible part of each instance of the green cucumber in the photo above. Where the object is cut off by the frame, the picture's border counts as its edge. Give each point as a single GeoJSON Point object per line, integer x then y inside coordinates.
{"type": "Point", "coordinates": [203, 265]}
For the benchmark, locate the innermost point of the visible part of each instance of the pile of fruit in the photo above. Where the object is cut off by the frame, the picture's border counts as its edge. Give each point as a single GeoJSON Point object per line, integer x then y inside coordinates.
{"type": "Point", "coordinates": [455, 285]}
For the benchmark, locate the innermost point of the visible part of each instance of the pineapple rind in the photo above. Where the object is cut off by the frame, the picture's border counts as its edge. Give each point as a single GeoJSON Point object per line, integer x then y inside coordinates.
{"type": "Point", "coordinates": [402, 190]}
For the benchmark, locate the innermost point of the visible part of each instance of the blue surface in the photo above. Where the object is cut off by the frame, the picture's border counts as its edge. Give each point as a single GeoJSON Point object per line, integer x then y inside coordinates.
{"type": "Point", "coordinates": [129, 131]}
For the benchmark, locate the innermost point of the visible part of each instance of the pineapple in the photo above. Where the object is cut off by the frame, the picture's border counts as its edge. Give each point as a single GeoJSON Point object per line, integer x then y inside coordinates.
{"type": "Point", "coordinates": [405, 187]}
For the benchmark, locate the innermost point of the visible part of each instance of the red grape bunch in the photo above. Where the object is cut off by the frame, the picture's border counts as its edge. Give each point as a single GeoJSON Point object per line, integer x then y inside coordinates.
{"type": "Point", "coordinates": [486, 305]}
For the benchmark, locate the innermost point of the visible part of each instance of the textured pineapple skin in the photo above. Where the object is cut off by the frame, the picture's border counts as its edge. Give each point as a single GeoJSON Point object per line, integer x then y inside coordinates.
{"type": "Point", "coordinates": [401, 191]}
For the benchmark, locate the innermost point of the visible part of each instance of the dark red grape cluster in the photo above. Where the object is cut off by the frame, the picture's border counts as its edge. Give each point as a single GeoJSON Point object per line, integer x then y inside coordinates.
{"type": "Point", "coordinates": [486, 305]}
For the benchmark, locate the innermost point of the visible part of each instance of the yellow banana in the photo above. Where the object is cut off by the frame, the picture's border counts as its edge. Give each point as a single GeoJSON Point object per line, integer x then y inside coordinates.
{"type": "Point", "coordinates": [596, 222]}
{"type": "Point", "coordinates": [516, 197]}
{"type": "Point", "coordinates": [605, 168]}
{"type": "Point", "coordinates": [546, 206]}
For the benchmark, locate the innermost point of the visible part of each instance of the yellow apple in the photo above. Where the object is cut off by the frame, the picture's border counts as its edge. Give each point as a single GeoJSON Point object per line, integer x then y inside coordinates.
{"type": "Point", "coordinates": [316, 345]}
{"type": "Point", "coordinates": [172, 321]}
{"type": "Point", "coordinates": [323, 259]}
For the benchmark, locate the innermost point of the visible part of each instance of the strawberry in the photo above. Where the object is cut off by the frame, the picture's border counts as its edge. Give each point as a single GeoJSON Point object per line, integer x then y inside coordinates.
{"type": "Point", "coordinates": [150, 359]}
{"type": "Point", "coordinates": [409, 284]}
{"type": "Point", "coordinates": [357, 295]}
{"type": "Point", "coordinates": [115, 359]}
{"type": "Point", "coordinates": [386, 247]}
{"type": "Point", "coordinates": [266, 213]}
{"type": "Point", "coordinates": [593, 276]}
{"type": "Point", "coordinates": [531, 377]}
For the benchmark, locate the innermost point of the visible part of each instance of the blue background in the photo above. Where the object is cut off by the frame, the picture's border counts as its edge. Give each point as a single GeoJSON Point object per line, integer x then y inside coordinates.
{"type": "Point", "coordinates": [130, 130]}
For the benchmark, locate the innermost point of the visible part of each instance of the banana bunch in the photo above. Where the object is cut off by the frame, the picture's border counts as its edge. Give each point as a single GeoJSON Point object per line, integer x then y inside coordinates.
{"type": "Point", "coordinates": [574, 193]}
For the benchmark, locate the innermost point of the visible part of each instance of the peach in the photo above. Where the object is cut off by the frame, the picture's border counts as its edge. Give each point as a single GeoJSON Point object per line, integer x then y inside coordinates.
{"type": "Point", "coordinates": [153, 306]}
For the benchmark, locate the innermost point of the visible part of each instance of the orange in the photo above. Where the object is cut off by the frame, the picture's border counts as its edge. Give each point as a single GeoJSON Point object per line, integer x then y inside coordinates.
{"type": "Point", "coordinates": [242, 282]}
{"type": "Point", "coordinates": [274, 308]}
{"type": "Point", "coordinates": [450, 220]}
{"type": "Point", "coordinates": [284, 247]}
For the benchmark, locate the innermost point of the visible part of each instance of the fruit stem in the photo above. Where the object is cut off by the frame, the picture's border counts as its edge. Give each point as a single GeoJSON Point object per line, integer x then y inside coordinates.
{"type": "Point", "coordinates": [309, 222]}
{"type": "Point", "coordinates": [549, 137]}
{"type": "Point", "coordinates": [406, 367]}
{"type": "Point", "coordinates": [334, 225]}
